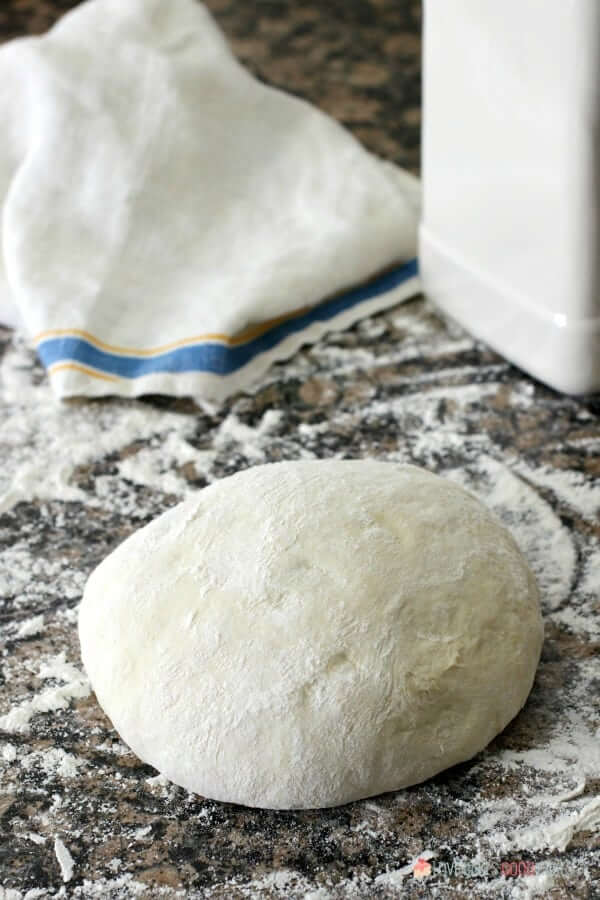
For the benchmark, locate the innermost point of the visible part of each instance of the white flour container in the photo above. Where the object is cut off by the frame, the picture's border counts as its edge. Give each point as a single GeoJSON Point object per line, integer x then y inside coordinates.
{"type": "Point", "coordinates": [510, 235]}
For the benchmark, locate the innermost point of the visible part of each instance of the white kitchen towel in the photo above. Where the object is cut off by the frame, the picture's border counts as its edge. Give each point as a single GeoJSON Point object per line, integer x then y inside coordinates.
{"type": "Point", "coordinates": [169, 223]}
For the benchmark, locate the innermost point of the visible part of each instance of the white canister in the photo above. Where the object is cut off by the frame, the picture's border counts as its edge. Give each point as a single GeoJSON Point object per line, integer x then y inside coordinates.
{"type": "Point", "coordinates": [510, 234]}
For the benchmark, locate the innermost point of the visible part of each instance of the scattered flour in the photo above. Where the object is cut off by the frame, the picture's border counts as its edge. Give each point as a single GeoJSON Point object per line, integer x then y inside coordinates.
{"type": "Point", "coordinates": [579, 492]}
{"type": "Point", "coordinates": [125, 886]}
{"type": "Point", "coordinates": [571, 795]}
{"type": "Point", "coordinates": [32, 894]}
{"type": "Point", "coordinates": [33, 582]}
{"type": "Point", "coordinates": [279, 883]}
{"type": "Point", "coordinates": [572, 749]}
{"type": "Point", "coordinates": [50, 699]}
{"type": "Point", "coordinates": [558, 834]}
{"type": "Point", "coordinates": [523, 888]}
{"type": "Point", "coordinates": [116, 747]}
{"type": "Point", "coordinates": [158, 465]}
{"type": "Point", "coordinates": [571, 752]}
{"type": "Point", "coordinates": [30, 627]}
{"type": "Point", "coordinates": [9, 753]}
{"type": "Point", "coordinates": [65, 860]}
{"type": "Point", "coordinates": [36, 838]}
{"type": "Point", "coordinates": [533, 886]}
{"type": "Point", "coordinates": [54, 761]}
{"type": "Point", "coordinates": [159, 780]}
{"type": "Point", "coordinates": [34, 427]}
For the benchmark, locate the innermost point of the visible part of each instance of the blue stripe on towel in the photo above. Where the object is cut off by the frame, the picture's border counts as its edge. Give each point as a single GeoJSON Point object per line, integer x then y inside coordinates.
{"type": "Point", "coordinates": [212, 356]}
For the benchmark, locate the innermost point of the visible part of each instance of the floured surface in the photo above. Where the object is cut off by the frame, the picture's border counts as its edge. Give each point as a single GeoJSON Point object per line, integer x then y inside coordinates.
{"type": "Point", "coordinates": [402, 386]}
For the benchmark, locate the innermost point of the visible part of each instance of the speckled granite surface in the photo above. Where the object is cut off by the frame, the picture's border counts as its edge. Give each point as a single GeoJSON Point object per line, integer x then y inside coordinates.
{"type": "Point", "coordinates": [79, 814]}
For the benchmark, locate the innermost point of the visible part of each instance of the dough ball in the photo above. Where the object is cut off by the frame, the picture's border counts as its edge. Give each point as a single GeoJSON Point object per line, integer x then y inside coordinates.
{"type": "Point", "coordinates": [303, 634]}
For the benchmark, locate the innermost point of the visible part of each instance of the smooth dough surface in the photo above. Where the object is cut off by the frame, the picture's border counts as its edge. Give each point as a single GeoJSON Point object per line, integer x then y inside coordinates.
{"type": "Point", "coordinates": [304, 634]}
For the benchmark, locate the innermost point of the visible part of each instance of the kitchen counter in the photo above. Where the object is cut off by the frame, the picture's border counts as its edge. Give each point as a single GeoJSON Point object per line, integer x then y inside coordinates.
{"type": "Point", "coordinates": [80, 815]}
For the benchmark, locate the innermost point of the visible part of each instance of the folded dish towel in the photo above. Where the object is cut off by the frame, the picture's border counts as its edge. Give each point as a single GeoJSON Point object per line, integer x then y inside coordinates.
{"type": "Point", "coordinates": [172, 225]}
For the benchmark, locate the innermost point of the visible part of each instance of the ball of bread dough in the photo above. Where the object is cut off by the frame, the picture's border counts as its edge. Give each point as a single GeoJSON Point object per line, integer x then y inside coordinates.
{"type": "Point", "coordinates": [303, 634]}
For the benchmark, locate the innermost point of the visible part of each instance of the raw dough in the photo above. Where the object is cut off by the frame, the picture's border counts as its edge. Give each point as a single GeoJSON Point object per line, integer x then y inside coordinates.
{"type": "Point", "coordinates": [303, 634]}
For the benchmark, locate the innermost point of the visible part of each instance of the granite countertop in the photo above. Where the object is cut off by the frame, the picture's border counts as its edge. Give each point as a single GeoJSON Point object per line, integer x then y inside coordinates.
{"type": "Point", "coordinates": [80, 815]}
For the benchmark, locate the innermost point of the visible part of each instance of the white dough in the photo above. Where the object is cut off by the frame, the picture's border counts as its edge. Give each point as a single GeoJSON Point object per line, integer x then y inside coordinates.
{"type": "Point", "coordinates": [303, 634]}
